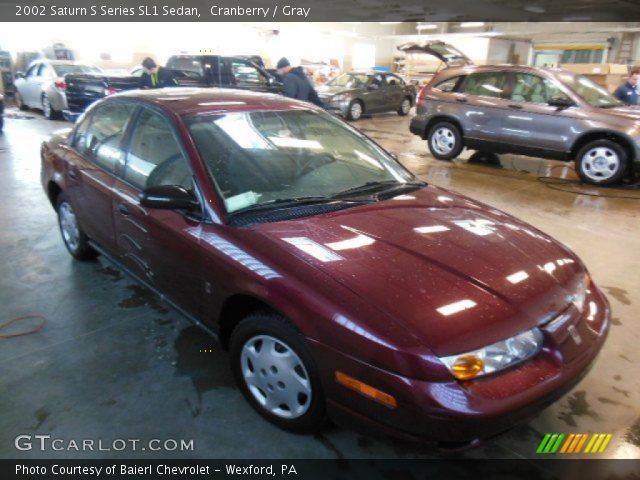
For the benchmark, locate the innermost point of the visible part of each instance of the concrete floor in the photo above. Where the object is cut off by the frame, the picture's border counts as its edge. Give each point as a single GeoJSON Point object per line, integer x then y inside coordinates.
{"type": "Point", "coordinates": [113, 363]}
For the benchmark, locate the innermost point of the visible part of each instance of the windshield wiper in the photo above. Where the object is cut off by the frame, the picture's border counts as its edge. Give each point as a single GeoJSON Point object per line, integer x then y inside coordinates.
{"type": "Point", "coordinates": [379, 187]}
{"type": "Point", "coordinates": [292, 202]}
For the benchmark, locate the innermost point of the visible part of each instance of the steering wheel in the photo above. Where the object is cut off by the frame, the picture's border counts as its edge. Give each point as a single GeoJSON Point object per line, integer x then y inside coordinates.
{"type": "Point", "coordinates": [160, 171]}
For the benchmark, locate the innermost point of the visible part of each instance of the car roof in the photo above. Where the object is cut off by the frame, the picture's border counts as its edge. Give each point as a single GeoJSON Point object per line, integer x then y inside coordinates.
{"type": "Point", "coordinates": [194, 100]}
{"type": "Point", "coordinates": [465, 69]}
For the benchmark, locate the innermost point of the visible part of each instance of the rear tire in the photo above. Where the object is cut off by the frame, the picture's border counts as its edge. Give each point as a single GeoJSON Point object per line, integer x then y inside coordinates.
{"type": "Point", "coordinates": [405, 107]}
{"type": "Point", "coordinates": [601, 162]}
{"type": "Point", "coordinates": [49, 112]}
{"type": "Point", "coordinates": [276, 373]}
{"type": "Point", "coordinates": [355, 110]}
{"type": "Point", "coordinates": [73, 236]}
{"type": "Point", "coordinates": [445, 141]}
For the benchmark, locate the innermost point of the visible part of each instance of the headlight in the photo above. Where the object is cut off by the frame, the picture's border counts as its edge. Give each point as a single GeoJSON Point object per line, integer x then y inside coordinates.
{"type": "Point", "coordinates": [338, 98]}
{"type": "Point", "coordinates": [496, 357]}
{"type": "Point", "coordinates": [580, 295]}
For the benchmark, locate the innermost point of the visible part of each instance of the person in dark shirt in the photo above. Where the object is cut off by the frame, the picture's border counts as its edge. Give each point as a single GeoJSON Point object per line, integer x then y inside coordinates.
{"type": "Point", "coordinates": [155, 76]}
{"type": "Point", "coordinates": [296, 84]}
{"type": "Point", "coordinates": [628, 92]}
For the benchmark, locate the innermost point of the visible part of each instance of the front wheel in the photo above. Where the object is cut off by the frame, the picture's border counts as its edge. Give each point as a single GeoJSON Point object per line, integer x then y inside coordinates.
{"type": "Point", "coordinates": [74, 238]}
{"type": "Point", "coordinates": [354, 112]}
{"type": "Point", "coordinates": [601, 162]}
{"type": "Point", "coordinates": [405, 107]}
{"type": "Point", "coordinates": [445, 141]}
{"type": "Point", "coordinates": [276, 373]}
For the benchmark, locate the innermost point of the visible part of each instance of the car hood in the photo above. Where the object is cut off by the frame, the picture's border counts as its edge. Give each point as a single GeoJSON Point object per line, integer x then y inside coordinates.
{"type": "Point", "coordinates": [631, 112]}
{"type": "Point", "coordinates": [459, 275]}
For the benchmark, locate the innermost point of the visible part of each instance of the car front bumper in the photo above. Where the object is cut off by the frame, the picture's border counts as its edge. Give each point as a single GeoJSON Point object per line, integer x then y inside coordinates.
{"type": "Point", "coordinates": [463, 412]}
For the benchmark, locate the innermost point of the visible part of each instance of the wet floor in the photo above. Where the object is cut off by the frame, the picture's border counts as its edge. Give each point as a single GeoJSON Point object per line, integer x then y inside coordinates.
{"type": "Point", "coordinates": [113, 362]}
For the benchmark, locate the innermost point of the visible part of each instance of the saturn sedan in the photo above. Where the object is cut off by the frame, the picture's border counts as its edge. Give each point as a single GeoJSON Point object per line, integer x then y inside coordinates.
{"type": "Point", "coordinates": [342, 285]}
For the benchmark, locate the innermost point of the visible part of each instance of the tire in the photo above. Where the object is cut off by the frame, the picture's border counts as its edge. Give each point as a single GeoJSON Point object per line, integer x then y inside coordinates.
{"type": "Point", "coordinates": [20, 103]}
{"type": "Point", "coordinates": [49, 112]}
{"type": "Point", "coordinates": [405, 107]}
{"type": "Point", "coordinates": [74, 238]}
{"type": "Point", "coordinates": [445, 141]}
{"type": "Point", "coordinates": [601, 162]}
{"type": "Point", "coordinates": [355, 110]}
{"type": "Point", "coordinates": [288, 375]}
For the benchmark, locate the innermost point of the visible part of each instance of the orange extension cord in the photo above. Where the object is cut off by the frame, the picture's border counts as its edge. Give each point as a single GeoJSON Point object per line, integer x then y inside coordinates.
{"type": "Point", "coordinates": [37, 328]}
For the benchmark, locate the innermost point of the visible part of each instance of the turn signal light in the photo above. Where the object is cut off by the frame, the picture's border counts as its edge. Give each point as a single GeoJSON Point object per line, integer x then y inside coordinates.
{"type": "Point", "coordinates": [467, 367]}
{"type": "Point", "coordinates": [366, 390]}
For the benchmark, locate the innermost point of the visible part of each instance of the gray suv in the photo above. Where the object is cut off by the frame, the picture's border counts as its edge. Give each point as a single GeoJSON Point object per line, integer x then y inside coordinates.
{"type": "Point", "coordinates": [547, 113]}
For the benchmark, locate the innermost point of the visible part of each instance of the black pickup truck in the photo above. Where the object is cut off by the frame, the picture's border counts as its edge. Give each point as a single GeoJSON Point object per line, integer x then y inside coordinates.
{"type": "Point", "coordinates": [188, 70]}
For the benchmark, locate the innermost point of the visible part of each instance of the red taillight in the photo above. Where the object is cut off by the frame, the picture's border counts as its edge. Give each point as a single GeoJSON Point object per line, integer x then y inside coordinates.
{"type": "Point", "coordinates": [423, 92]}
{"type": "Point", "coordinates": [60, 85]}
{"type": "Point", "coordinates": [109, 91]}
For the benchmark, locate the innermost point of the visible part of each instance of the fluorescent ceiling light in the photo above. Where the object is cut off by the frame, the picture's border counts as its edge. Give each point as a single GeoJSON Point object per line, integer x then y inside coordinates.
{"type": "Point", "coordinates": [427, 26]}
{"type": "Point", "coordinates": [471, 24]}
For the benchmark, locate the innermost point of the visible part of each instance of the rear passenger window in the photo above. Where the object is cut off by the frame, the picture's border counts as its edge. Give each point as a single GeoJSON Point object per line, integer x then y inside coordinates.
{"type": "Point", "coordinates": [486, 84]}
{"type": "Point", "coordinates": [101, 141]}
{"type": "Point", "coordinates": [534, 89]}
{"type": "Point", "coordinates": [155, 157]}
{"type": "Point", "coordinates": [448, 85]}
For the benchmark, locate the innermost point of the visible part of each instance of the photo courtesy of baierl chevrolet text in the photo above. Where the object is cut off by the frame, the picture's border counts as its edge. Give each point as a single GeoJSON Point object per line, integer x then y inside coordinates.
{"type": "Point", "coordinates": [319, 240]}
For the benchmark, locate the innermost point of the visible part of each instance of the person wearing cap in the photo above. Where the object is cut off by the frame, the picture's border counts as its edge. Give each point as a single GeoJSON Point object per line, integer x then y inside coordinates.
{"type": "Point", "coordinates": [154, 76]}
{"type": "Point", "coordinates": [296, 84]}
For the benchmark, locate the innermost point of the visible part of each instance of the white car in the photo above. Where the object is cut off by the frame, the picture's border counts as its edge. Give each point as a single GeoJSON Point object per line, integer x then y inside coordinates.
{"type": "Point", "coordinates": [43, 85]}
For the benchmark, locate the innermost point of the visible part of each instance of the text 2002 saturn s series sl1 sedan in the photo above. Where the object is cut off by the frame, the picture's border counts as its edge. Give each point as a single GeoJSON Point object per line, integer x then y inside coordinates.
{"type": "Point", "coordinates": [342, 285]}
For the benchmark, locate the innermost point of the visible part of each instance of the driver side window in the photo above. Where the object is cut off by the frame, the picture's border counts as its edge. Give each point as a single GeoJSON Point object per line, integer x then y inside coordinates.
{"type": "Point", "coordinates": [155, 157]}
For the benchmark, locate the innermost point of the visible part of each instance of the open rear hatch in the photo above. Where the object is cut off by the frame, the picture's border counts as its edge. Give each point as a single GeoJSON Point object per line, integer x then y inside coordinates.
{"type": "Point", "coordinates": [448, 54]}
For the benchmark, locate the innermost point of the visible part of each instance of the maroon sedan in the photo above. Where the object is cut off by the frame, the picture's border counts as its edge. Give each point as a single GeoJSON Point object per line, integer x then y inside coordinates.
{"type": "Point", "coordinates": [342, 285]}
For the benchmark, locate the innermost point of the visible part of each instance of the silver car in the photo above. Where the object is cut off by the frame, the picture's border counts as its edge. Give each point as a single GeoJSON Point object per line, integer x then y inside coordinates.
{"type": "Point", "coordinates": [43, 85]}
{"type": "Point", "coordinates": [548, 113]}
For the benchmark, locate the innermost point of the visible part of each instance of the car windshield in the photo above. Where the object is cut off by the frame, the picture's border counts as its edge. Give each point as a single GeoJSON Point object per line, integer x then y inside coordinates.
{"type": "Point", "coordinates": [591, 92]}
{"type": "Point", "coordinates": [350, 80]}
{"type": "Point", "coordinates": [62, 70]}
{"type": "Point", "coordinates": [262, 157]}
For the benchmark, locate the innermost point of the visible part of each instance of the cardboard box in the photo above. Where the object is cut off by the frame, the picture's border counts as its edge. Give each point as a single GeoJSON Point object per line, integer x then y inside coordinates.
{"type": "Point", "coordinates": [596, 68]}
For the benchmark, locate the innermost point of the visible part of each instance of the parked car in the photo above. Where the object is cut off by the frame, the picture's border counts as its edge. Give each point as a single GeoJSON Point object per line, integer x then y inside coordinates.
{"type": "Point", "coordinates": [43, 86]}
{"type": "Point", "coordinates": [1, 113]}
{"type": "Point", "coordinates": [340, 283]}
{"type": "Point", "coordinates": [353, 94]}
{"type": "Point", "coordinates": [548, 113]}
{"type": "Point", "coordinates": [188, 70]}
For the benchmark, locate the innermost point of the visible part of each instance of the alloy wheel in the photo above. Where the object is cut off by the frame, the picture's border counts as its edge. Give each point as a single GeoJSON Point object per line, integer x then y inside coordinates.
{"type": "Point", "coordinates": [600, 163]}
{"type": "Point", "coordinates": [276, 376]}
{"type": "Point", "coordinates": [443, 141]}
{"type": "Point", "coordinates": [69, 226]}
{"type": "Point", "coordinates": [405, 106]}
{"type": "Point", "coordinates": [356, 110]}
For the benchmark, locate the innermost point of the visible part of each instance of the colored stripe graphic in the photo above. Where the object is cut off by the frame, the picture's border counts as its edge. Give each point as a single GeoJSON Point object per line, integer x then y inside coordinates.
{"type": "Point", "coordinates": [573, 443]}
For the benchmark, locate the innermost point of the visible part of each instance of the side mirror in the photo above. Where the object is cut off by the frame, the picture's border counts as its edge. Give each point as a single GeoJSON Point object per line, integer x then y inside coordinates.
{"type": "Point", "coordinates": [168, 197]}
{"type": "Point", "coordinates": [20, 74]}
{"type": "Point", "coordinates": [560, 102]}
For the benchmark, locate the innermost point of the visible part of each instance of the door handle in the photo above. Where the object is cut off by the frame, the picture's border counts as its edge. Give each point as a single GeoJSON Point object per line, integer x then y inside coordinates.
{"type": "Point", "coordinates": [516, 107]}
{"type": "Point", "coordinates": [461, 100]}
{"type": "Point", "coordinates": [123, 209]}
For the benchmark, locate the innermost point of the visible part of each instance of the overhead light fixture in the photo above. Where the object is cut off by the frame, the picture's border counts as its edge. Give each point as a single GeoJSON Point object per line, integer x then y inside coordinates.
{"type": "Point", "coordinates": [471, 24]}
{"type": "Point", "coordinates": [427, 26]}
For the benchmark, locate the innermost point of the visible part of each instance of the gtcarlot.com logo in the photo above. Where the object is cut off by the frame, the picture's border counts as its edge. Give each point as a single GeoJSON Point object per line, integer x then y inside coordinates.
{"type": "Point", "coordinates": [574, 443]}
